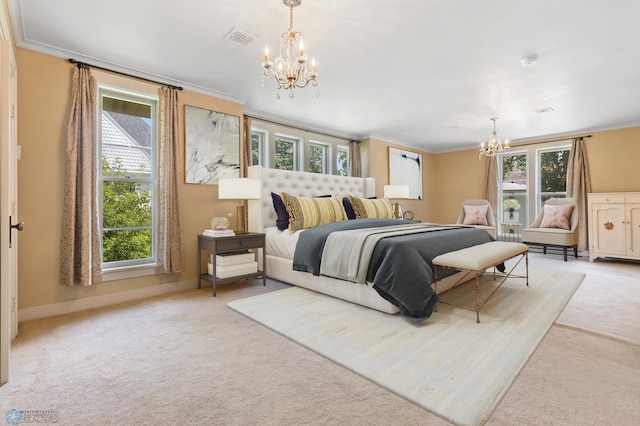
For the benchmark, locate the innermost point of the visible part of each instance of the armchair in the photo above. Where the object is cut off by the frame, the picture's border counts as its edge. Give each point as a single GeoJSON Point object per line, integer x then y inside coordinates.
{"type": "Point", "coordinates": [555, 226]}
{"type": "Point", "coordinates": [472, 213]}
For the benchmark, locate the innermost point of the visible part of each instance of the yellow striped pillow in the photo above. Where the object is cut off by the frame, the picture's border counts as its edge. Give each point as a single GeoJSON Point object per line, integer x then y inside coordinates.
{"type": "Point", "coordinates": [366, 208]}
{"type": "Point", "coordinates": [307, 212]}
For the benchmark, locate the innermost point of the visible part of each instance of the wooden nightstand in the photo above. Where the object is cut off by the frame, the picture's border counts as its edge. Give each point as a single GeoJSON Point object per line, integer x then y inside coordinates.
{"type": "Point", "coordinates": [233, 244]}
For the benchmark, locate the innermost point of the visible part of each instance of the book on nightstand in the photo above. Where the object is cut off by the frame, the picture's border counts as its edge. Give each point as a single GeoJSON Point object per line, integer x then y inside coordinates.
{"type": "Point", "coordinates": [229, 259]}
{"type": "Point", "coordinates": [218, 233]}
{"type": "Point", "coordinates": [236, 270]}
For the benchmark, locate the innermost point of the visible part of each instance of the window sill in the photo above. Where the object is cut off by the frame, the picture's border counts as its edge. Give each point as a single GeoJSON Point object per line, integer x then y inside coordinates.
{"type": "Point", "coordinates": [129, 272]}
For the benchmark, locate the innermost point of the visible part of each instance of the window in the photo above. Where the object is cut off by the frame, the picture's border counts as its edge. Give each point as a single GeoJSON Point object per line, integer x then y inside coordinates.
{"type": "Point", "coordinates": [513, 184]}
{"type": "Point", "coordinates": [257, 147]}
{"type": "Point", "coordinates": [127, 178]}
{"type": "Point", "coordinates": [342, 160]}
{"type": "Point", "coordinates": [286, 153]}
{"type": "Point", "coordinates": [552, 174]}
{"type": "Point", "coordinates": [289, 148]}
{"type": "Point", "coordinates": [318, 157]}
{"type": "Point", "coordinates": [532, 185]}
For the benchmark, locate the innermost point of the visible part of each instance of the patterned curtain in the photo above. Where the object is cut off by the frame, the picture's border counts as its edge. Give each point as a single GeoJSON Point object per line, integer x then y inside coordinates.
{"type": "Point", "coordinates": [491, 185]}
{"type": "Point", "coordinates": [170, 230]}
{"type": "Point", "coordinates": [246, 158]}
{"type": "Point", "coordinates": [355, 160]}
{"type": "Point", "coordinates": [80, 251]}
{"type": "Point", "coordinates": [578, 186]}
{"type": "Point", "coordinates": [246, 147]}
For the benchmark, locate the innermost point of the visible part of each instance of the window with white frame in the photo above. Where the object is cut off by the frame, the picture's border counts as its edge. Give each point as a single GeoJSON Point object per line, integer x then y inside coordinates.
{"type": "Point", "coordinates": [552, 171]}
{"type": "Point", "coordinates": [127, 141]}
{"type": "Point", "coordinates": [514, 188]}
{"type": "Point", "coordinates": [257, 147]}
{"type": "Point", "coordinates": [528, 186]}
{"type": "Point", "coordinates": [342, 160]}
{"type": "Point", "coordinates": [288, 148]}
{"type": "Point", "coordinates": [286, 152]}
{"type": "Point", "coordinates": [318, 157]}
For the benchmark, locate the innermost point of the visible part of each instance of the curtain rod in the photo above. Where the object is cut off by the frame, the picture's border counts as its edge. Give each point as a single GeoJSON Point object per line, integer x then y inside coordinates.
{"type": "Point", "coordinates": [555, 140]}
{"type": "Point", "coordinates": [298, 128]}
{"type": "Point", "coordinates": [73, 61]}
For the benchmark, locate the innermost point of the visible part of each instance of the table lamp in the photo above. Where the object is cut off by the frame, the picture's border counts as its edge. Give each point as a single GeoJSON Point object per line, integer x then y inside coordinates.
{"type": "Point", "coordinates": [396, 192]}
{"type": "Point", "coordinates": [239, 189]}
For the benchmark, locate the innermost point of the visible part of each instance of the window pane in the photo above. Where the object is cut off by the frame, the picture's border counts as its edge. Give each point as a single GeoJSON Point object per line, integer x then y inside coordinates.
{"type": "Point", "coordinates": [317, 161]}
{"type": "Point", "coordinates": [285, 154]}
{"type": "Point", "coordinates": [514, 188]}
{"type": "Point", "coordinates": [126, 204]}
{"type": "Point", "coordinates": [126, 138]}
{"type": "Point", "coordinates": [342, 164]}
{"type": "Point", "coordinates": [127, 244]}
{"type": "Point", "coordinates": [553, 174]}
{"type": "Point", "coordinates": [256, 148]}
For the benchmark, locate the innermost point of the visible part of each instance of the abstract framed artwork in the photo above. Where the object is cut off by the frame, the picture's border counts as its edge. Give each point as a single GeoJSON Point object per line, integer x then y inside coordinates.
{"type": "Point", "coordinates": [405, 168]}
{"type": "Point", "coordinates": [212, 145]}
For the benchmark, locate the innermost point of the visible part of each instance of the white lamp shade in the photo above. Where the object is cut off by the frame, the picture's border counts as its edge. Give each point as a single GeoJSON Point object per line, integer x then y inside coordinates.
{"type": "Point", "coordinates": [396, 191]}
{"type": "Point", "coordinates": [238, 189]}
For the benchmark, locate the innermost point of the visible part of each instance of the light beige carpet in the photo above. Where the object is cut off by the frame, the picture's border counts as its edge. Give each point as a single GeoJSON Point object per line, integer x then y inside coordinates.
{"type": "Point", "coordinates": [449, 365]}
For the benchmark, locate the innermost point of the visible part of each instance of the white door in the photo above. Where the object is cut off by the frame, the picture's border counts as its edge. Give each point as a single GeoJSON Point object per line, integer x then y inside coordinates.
{"type": "Point", "coordinates": [9, 225]}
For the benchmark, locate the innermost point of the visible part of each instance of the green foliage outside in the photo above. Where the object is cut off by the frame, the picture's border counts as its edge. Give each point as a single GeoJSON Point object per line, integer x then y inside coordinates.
{"type": "Point", "coordinates": [511, 163]}
{"type": "Point", "coordinates": [125, 205]}
{"type": "Point", "coordinates": [255, 149]}
{"type": "Point", "coordinates": [316, 159]}
{"type": "Point", "coordinates": [284, 154]}
{"type": "Point", "coordinates": [553, 171]}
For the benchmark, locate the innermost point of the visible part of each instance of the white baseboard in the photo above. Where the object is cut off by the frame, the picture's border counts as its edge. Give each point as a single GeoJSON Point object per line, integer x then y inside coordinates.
{"type": "Point", "coordinates": [84, 303]}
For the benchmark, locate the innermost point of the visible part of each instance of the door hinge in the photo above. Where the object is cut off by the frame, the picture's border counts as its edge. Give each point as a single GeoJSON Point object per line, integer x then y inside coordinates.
{"type": "Point", "coordinates": [14, 305]}
{"type": "Point", "coordinates": [13, 110]}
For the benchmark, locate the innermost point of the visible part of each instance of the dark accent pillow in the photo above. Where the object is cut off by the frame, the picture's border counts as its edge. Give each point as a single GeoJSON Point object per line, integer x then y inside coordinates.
{"type": "Point", "coordinates": [282, 216]}
{"type": "Point", "coordinates": [348, 208]}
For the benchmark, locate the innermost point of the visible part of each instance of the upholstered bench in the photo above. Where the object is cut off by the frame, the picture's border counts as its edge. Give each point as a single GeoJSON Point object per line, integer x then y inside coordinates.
{"type": "Point", "coordinates": [477, 260]}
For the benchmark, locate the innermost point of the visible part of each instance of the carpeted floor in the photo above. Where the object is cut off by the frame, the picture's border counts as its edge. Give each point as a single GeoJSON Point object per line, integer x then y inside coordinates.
{"type": "Point", "coordinates": [186, 358]}
{"type": "Point", "coordinates": [450, 365]}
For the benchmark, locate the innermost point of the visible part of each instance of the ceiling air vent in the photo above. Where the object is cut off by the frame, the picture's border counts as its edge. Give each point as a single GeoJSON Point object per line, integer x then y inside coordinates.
{"type": "Point", "coordinates": [543, 110]}
{"type": "Point", "coordinates": [239, 36]}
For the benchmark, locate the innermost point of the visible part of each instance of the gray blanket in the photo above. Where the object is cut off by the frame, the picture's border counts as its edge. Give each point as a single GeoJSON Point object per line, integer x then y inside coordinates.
{"type": "Point", "coordinates": [400, 267]}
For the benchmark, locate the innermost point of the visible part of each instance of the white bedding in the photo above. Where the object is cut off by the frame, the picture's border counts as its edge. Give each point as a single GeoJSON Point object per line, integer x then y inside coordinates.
{"type": "Point", "coordinates": [280, 243]}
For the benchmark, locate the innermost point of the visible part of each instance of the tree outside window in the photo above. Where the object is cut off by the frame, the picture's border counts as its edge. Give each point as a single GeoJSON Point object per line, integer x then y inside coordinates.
{"type": "Point", "coordinates": [317, 158]}
{"type": "Point", "coordinates": [285, 153]}
{"type": "Point", "coordinates": [553, 174]}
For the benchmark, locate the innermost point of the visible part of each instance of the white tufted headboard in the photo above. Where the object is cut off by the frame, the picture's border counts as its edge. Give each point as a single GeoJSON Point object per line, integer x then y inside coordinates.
{"type": "Point", "coordinates": [304, 184]}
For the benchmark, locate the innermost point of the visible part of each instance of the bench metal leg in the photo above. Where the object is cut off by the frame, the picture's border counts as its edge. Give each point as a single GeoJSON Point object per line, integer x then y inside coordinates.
{"type": "Point", "coordinates": [478, 297]}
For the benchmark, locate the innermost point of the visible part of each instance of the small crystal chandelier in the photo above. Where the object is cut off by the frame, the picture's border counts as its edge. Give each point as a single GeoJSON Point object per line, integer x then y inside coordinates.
{"type": "Point", "coordinates": [290, 68]}
{"type": "Point", "coordinates": [494, 146]}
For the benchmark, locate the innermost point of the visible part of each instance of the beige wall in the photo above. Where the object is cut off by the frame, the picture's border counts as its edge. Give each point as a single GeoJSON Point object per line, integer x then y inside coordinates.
{"type": "Point", "coordinates": [379, 169]}
{"type": "Point", "coordinates": [43, 103]}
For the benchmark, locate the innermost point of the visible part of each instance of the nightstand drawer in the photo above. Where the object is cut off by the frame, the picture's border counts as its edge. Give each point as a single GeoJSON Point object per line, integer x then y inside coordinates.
{"type": "Point", "coordinates": [240, 242]}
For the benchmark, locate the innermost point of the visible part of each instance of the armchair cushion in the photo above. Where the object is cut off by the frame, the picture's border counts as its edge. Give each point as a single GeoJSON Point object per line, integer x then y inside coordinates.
{"type": "Point", "coordinates": [557, 216]}
{"type": "Point", "coordinates": [475, 215]}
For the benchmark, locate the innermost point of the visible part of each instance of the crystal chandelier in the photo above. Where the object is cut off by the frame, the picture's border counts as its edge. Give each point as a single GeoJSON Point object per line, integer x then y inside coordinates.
{"type": "Point", "coordinates": [494, 146]}
{"type": "Point", "coordinates": [290, 68]}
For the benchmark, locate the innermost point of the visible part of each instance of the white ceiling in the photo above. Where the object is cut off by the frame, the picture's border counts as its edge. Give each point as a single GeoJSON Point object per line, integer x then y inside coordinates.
{"type": "Point", "coordinates": [424, 73]}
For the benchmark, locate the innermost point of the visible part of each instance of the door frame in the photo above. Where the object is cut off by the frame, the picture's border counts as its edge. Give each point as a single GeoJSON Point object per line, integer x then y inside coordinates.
{"type": "Point", "coordinates": [8, 207]}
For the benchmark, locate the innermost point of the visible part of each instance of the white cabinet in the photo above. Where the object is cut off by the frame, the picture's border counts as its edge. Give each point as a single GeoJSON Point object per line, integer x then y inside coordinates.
{"type": "Point", "coordinates": [614, 225]}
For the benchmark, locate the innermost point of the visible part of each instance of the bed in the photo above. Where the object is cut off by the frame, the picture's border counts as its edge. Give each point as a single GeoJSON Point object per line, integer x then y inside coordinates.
{"type": "Point", "coordinates": [280, 245]}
